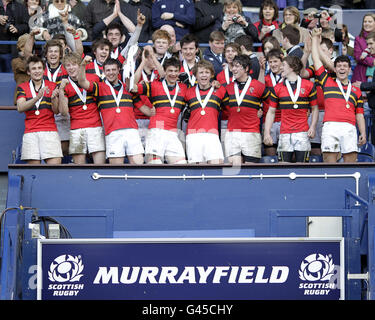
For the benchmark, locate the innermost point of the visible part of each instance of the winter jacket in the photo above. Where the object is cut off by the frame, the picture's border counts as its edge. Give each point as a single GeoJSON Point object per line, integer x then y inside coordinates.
{"type": "Point", "coordinates": [18, 16]}
{"type": "Point", "coordinates": [208, 17]}
{"type": "Point", "coordinates": [359, 73]}
{"type": "Point", "coordinates": [183, 11]}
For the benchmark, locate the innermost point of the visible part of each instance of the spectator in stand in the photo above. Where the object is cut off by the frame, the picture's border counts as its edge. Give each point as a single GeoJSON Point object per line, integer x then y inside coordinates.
{"type": "Point", "coordinates": [13, 23]}
{"type": "Point", "coordinates": [78, 9]}
{"type": "Point", "coordinates": [37, 98]}
{"type": "Point", "coordinates": [130, 10]}
{"type": "Point", "coordinates": [180, 14]}
{"type": "Point", "coordinates": [291, 17]}
{"type": "Point", "coordinates": [310, 20]}
{"type": "Point", "coordinates": [55, 20]}
{"type": "Point", "coordinates": [290, 41]}
{"type": "Point", "coordinates": [328, 22]}
{"type": "Point", "coordinates": [208, 16]}
{"type": "Point", "coordinates": [268, 14]}
{"type": "Point", "coordinates": [215, 53]}
{"type": "Point", "coordinates": [369, 86]}
{"type": "Point", "coordinates": [361, 53]}
{"type": "Point", "coordinates": [19, 64]}
{"type": "Point", "coordinates": [32, 7]}
{"type": "Point", "coordinates": [100, 13]}
{"type": "Point", "coordinates": [235, 23]}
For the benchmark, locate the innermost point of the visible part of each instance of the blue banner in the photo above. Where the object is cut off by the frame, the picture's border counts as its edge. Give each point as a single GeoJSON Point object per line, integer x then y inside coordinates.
{"type": "Point", "coordinates": [191, 269]}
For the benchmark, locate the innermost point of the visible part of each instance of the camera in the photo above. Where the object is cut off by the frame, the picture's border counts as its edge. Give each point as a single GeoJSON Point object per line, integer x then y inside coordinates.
{"type": "Point", "coordinates": [317, 15]}
{"type": "Point", "coordinates": [8, 24]}
{"type": "Point", "coordinates": [234, 19]}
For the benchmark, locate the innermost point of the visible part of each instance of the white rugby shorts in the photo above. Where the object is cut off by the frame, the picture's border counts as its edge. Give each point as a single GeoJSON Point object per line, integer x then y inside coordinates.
{"type": "Point", "coordinates": [123, 142]}
{"type": "Point", "coordinates": [163, 143]}
{"type": "Point", "coordinates": [41, 145]}
{"type": "Point", "coordinates": [297, 141]}
{"type": "Point", "coordinates": [339, 137]}
{"type": "Point", "coordinates": [203, 147]}
{"type": "Point", "coordinates": [247, 143]}
{"type": "Point", "coordinates": [85, 140]}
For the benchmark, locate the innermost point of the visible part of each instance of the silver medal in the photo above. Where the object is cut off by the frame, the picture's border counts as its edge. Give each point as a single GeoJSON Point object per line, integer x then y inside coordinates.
{"type": "Point", "coordinates": [118, 110]}
{"type": "Point", "coordinates": [172, 110]}
{"type": "Point", "coordinates": [37, 112]}
{"type": "Point", "coordinates": [203, 112]}
{"type": "Point", "coordinates": [84, 107]}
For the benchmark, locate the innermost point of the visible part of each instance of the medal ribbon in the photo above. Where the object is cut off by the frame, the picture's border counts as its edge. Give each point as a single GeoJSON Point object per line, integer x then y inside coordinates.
{"type": "Point", "coordinates": [82, 95]}
{"type": "Point", "coordinates": [348, 90]}
{"type": "Point", "coordinates": [33, 93]}
{"type": "Point", "coordinates": [166, 90]}
{"type": "Point", "coordinates": [239, 97]}
{"type": "Point", "coordinates": [208, 96]}
{"type": "Point", "coordinates": [293, 96]}
{"type": "Point", "coordinates": [118, 96]}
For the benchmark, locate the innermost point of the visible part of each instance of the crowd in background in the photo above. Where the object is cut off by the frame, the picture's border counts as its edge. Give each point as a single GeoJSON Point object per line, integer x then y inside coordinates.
{"type": "Point", "coordinates": [187, 24]}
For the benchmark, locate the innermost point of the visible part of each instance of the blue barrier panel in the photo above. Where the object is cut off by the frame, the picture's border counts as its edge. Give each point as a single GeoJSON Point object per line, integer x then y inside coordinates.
{"type": "Point", "coordinates": [175, 269]}
{"type": "Point", "coordinates": [123, 201]}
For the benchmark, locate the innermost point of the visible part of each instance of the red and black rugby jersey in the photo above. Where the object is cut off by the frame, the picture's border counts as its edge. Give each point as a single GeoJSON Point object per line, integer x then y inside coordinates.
{"type": "Point", "coordinates": [91, 72]}
{"type": "Point", "coordinates": [163, 118]}
{"type": "Point", "coordinates": [293, 119]}
{"type": "Point", "coordinates": [112, 120]}
{"type": "Point", "coordinates": [45, 121]}
{"type": "Point", "coordinates": [55, 75]}
{"type": "Point", "coordinates": [246, 120]}
{"type": "Point", "coordinates": [208, 122]}
{"type": "Point", "coordinates": [334, 101]}
{"type": "Point", "coordinates": [266, 105]}
{"type": "Point", "coordinates": [80, 118]}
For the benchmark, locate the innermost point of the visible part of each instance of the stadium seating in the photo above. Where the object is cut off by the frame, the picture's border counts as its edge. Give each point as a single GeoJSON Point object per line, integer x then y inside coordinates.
{"type": "Point", "coordinates": [315, 158]}
{"type": "Point", "coordinates": [269, 159]}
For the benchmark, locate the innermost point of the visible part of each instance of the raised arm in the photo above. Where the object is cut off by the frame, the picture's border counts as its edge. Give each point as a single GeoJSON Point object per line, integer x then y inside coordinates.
{"type": "Point", "coordinates": [82, 80]}
{"type": "Point", "coordinates": [315, 47]}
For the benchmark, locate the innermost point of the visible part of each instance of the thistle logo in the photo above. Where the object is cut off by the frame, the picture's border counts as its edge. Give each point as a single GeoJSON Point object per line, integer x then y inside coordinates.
{"type": "Point", "coordinates": [66, 268]}
{"type": "Point", "coordinates": [317, 270]}
{"type": "Point", "coordinates": [316, 267]}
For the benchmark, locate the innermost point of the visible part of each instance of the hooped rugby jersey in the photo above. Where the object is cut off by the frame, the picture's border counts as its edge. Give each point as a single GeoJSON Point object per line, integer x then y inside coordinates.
{"type": "Point", "coordinates": [269, 84]}
{"type": "Point", "coordinates": [245, 118]}
{"type": "Point", "coordinates": [208, 121]}
{"type": "Point", "coordinates": [187, 75]}
{"type": "Point", "coordinates": [45, 120]}
{"type": "Point", "coordinates": [80, 117]}
{"type": "Point", "coordinates": [94, 71]}
{"type": "Point", "coordinates": [319, 90]}
{"type": "Point", "coordinates": [293, 119]}
{"type": "Point", "coordinates": [55, 75]}
{"type": "Point", "coordinates": [112, 119]}
{"type": "Point", "coordinates": [164, 118]}
{"type": "Point", "coordinates": [223, 81]}
{"type": "Point", "coordinates": [334, 101]}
